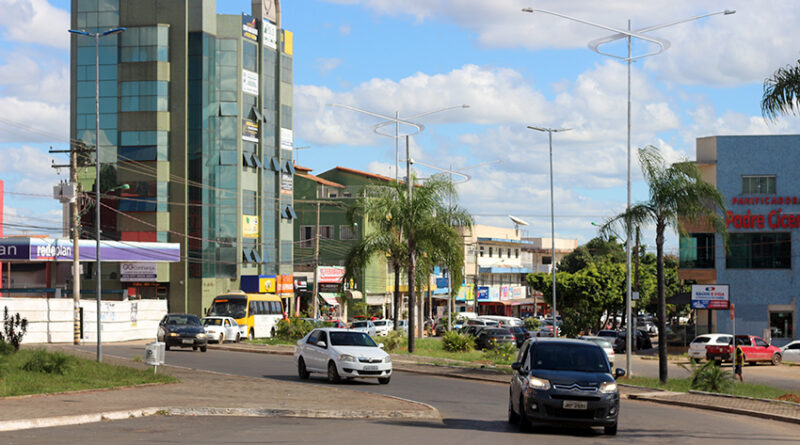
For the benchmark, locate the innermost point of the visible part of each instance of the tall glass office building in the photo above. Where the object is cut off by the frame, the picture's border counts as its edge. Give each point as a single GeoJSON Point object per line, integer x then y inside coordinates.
{"type": "Point", "coordinates": [196, 118]}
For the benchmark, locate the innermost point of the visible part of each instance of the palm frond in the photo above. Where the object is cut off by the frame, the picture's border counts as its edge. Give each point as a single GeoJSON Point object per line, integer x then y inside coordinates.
{"type": "Point", "coordinates": [781, 92]}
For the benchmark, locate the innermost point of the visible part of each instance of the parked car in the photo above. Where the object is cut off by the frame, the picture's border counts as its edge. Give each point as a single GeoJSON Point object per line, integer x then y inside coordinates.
{"type": "Point", "coordinates": [697, 348]}
{"type": "Point", "coordinates": [562, 381]}
{"type": "Point", "coordinates": [791, 352]}
{"type": "Point", "coordinates": [520, 335]}
{"type": "Point", "coordinates": [403, 325]}
{"type": "Point", "coordinates": [498, 336]}
{"type": "Point", "coordinates": [545, 331]}
{"type": "Point", "coordinates": [642, 340]}
{"type": "Point", "coordinates": [473, 330]}
{"type": "Point", "coordinates": [383, 327]}
{"type": "Point", "coordinates": [342, 353]}
{"type": "Point", "coordinates": [503, 321]}
{"type": "Point", "coordinates": [604, 343]}
{"type": "Point", "coordinates": [182, 330]}
{"type": "Point", "coordinates": [755, 349]}
{"type": "Point", "coordinates": [481, 322]}
{"type": "Point", "coordinates": [219, 329]}
{"type": "Point", "coordinates": [365, 326]}
{"type": "Point", "coordinates": [647, 326]}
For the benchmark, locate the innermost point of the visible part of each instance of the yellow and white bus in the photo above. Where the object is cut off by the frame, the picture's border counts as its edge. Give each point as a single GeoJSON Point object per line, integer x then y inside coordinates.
{"type": "Point", "coordinates": [259, 312]}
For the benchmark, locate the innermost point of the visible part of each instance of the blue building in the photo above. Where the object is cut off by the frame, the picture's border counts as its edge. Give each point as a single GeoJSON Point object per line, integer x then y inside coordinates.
{"type": "Point", "coordinates": [758, 177]}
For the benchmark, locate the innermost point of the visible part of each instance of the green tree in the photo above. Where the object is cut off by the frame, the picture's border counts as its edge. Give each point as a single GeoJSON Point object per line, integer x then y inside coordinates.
{"type": "Point", "coordinates": [422, 221]}
{"type": "Point", "coordinates": [677, 193]}
{"type": "Point", "coordinates": [781, 92]}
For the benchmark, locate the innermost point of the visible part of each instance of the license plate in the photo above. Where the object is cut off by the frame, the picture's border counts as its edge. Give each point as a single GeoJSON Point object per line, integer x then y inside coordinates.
{"type": "Point", "coordinates": [370, 368]}
{"type": "Point", "coordinates": [188, 341]}
{"type": "Point", "coordinates": [575, 404]}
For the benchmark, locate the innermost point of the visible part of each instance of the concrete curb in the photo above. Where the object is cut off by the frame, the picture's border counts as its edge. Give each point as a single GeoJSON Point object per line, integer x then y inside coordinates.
{"type": "Point", "coordinates": [723, 409]}
{"type": "Point", "coordinates": [46, 422]}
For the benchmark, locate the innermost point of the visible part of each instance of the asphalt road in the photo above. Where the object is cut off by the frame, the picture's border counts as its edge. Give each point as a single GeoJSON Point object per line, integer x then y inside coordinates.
{"type": "Point", "coordinates": [473, 412]}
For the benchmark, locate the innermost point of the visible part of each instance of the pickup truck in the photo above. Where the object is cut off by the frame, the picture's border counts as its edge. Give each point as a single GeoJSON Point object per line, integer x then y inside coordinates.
{"type": "Point", "coordinates": [755, 349]}
{"type": "Point", "coordinates": [219, 329]}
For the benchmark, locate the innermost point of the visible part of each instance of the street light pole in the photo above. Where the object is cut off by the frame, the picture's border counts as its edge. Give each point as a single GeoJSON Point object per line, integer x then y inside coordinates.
{"type": "Point", "coordinates": [96, 37]}
{"type": "Point", "coordinates": [663, 45]}
{"type": "Point", "coordinates": [550, 132]}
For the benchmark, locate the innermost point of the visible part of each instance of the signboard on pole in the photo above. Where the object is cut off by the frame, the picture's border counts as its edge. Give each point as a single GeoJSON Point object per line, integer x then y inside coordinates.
{"type": "Point", "coordinates": [710, 296]}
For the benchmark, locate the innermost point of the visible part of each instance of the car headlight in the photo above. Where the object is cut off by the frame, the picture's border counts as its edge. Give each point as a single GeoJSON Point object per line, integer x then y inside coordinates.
{"type": "Point", "coordinates": [201, 335]}
{"type": "Point", "coordinates": [608, 387]}
{"type": "Point", "coordinates": [347, 358]}
{"type": "Point", "coordinates": [538, 384]}
{"type": "Point", "coordinates": [173, 334]}
{"type": "Point", "coordinates": [388, 359]}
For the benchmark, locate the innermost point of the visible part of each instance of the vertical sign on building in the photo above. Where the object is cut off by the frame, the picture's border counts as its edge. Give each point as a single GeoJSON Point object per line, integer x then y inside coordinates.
{"type": "Point", "coordinates": [1, 230]}
{"type": "Point", "coordinates": [269, 37]}
{"type": "Point", "coordinates": [249, 28]}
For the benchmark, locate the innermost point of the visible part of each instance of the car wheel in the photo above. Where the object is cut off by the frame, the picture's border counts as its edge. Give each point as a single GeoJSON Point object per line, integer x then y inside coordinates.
{"type": "Point", "coordinates": [203, 348]}
{"type": "Point", "coordinates": [166, 347]}
{"type": "Point", "coordinates": [333, 373]}
{"type": "Point", "coordinates": [776, 359]}
{"type": "Point", "coordinates": [718, 362]}
{"type": "Point", "coordinates": [302, 372]}
{"type": "Point", "coordinates": [194, 348]}
{"type": "Point", "coordinates": [610, 430]}
{"type": "Point", "coordinates": [513, 417]}
{"type": "Point", "coordinates": [524, 423]}
{"type": "Point", "coordinates": [238, 338]}
{"type": "Point", "coordinates": [384, 380]}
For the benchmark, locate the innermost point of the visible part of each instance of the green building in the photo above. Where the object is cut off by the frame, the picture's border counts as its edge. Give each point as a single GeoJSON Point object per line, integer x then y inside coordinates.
{"type": "Point", "coordinates": [195, 113]}
{"type": "Point", "coordinates": [331, 193]}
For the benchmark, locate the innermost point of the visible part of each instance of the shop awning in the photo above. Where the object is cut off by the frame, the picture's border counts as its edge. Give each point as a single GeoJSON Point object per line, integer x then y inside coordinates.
{"type": "Point", "coordinates": [354, 295]}
{"type": "Point", "coordinates": [516, 302]}
{"type": "Point", "coordinates": [330, 299]}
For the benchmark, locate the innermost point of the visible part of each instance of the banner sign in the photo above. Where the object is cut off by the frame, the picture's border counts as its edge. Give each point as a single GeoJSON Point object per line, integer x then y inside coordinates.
{"type": "Point", "coordinates": [710, 296]}
{"type": "Point", "coordinates": [249, 130]}
{"type": "Point", "coordinates": [250, 82]}
{"type": "Point", "coordinates": [483, 293]}
{"type": "Point", "coordinates": [129, 272]}
{"type": "Point", "coordinates": [249, 28]}
{"type": "Point", "coordinates": [270, 36]}
{"type": "Point", "coordinates": [330, 274]}
{"type": "Point", "coordinates": [49, 249]}
{"type": "Point", "coordinates": [250, 226]}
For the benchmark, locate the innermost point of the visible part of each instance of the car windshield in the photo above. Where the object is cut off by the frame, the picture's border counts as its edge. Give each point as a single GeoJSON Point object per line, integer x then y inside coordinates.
{"type": "Point", "coordinates": [351, 339]}
{"type": "Point", "coordinates": [568, 357]}
{"type": "Point", "coordinates": [496, 331]}
{"type": "Point", "coordinates": [360, 324]}
{"type": "Point", "coordinates": [701, 340]}
{"type": "Point", "coordinates": [600, 341]}
{"type": "Point", "coordinates": [190, 320]}
{"type": "Point", "coordinates": [380, 323]}
{"type": "Point", "coordinates": [233, 306]}
{"type": "Point", "coordinates": [212, 322]}
{"type": "Point", "coordinates": [607, 333]}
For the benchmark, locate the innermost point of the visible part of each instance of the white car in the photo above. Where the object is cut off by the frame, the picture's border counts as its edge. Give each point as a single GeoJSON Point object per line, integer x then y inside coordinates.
{"type": "Point", "coordinates": [697, 348]}
{"type": "Point", "coordinates": [791, 352]}
{"type": "Point", "coordinates": [220, 329]}
{"type": "Point", "coordinates": [342, 353]}
{"type": "Point", "coordinates": [603, 343]}
{"type": "Point", "coordinates": [365, 326]}
{"type": "Point", "coordinates": [383, 327]}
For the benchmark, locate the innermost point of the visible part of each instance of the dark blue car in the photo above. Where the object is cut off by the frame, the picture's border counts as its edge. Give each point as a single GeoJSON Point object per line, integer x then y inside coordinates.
{"type": "Point", "coordinates": [563, 382]}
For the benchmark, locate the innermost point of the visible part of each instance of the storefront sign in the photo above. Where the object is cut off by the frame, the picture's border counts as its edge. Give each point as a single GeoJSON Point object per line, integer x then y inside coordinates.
{"type": "Point", "coordinates": [329, 287]}
{"type": "Point", "coordinates": [483, 293]}
{"type": "Point", "coordinates": [775, 219]}
{"type": "Point", "coordinates": [330, 274]}
{"type": "Point", "coordinates": [249, 28]}
{"type": "Point", "coordinates": [710, 296]}
{"type": "Point", "coordinates": [129, 272]}
{"type": "Point", "coordinates": [300, 283]}
{"type": "Point", "coordinates": [285, 284]}
{"type": "Point", "coordinates": [249, 226]}
{"type": "Point", "coordinates": [250, 82]}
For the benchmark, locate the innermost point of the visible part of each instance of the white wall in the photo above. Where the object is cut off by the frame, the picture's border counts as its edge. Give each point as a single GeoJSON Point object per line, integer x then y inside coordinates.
{"type": "Point", "coordinates": [50, 320]}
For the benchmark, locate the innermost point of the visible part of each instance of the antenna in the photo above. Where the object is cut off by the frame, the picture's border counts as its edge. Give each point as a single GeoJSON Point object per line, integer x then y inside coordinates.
{"type": "Point", "coordinates": [517, 222]}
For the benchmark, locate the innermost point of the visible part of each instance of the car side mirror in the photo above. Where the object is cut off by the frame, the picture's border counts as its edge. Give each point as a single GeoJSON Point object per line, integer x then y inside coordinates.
{"type": "Point", "coordinates": [516, 366]}
{"type": "Point", "coordinates": [322, 344]}
{"type": "Point", "coordinates": [619, 373]}
{"type": "Point", "coordinates": [380, 345]}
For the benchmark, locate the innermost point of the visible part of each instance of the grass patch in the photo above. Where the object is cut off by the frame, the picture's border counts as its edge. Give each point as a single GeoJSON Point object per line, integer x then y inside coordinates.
{"type": "Point", "coordinates": [432, 347]}
{"type": "Point", "coordinates": [270, 341]}
{"type": "Point", "coordinates": [79, 374]}
{"type": "Point", "coordinates": [684, 385]}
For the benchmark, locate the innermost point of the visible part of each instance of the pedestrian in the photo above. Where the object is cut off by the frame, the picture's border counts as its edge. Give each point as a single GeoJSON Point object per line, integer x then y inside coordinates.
{"type": "Point", "coordinates": [737, 369]}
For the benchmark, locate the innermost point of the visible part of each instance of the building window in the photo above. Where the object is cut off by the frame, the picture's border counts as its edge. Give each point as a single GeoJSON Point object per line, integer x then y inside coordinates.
{"type": "Point", "coordinates": [307, 236]}
{"type": "Point", "coordinates": [516, 253]}
{"type": "Point", "coordinates": [760, 251]}
{"type": "Point", "coordinates": [249, 202]}
{"type": "Point", "coordinates": [547, 260]}
{"type": "Point", "coordinates": [764, 184]}
{"type": "Point", "coordinates": [697, 251]}
{"type": "Point", "coordinates": [144, 96]}
{"type": "Point", "coordinates": [780, 324]}
{"type": "Point", "coordinates": [347, 233]}
{"type": "Point", "coordinates": [490, 252]}
{"type": "Point", "coordinates": [480, 251]}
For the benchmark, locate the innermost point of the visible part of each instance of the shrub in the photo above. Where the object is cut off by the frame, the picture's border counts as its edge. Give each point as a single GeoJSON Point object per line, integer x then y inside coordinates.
{"type": "Point", "coordinates": [394, 341]}
{"type": "Point", "coordinates": [5, 348]}
{"type": "Point", "coordinates": [455, 342]}
{"type": "Point", "coordinates": [48, 362]}
{"type": "Point", "coordinates": [293, 329]}
{"type": "Point", "coordinates": [532, 324]}
{"type": "Point", "coordinates": [709, 377]}
{"type": "Point", "coordinates": [500, 352]}
{"type": "Point", "coordinates": [14, 328]}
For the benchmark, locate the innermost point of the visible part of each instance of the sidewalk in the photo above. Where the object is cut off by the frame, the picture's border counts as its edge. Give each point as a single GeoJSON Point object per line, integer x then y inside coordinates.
{"type": "Point", "coordinates": [202, 393]}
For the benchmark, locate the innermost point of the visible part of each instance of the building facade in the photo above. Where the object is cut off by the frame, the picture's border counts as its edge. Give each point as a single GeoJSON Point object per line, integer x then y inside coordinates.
{"type": "Point", "coordinates": [195, 116]}
{"type": "Point", "coordinates": [757, 177]}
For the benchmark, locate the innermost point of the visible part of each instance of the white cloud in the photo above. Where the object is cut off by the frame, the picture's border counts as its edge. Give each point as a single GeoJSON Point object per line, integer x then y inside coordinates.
{"type": "Point", "coordinates": [40, 80]}
{"type": "Point", "coordinates": [345, 29]}
{"type": "Point", "coordinates": [326, 65]}
{"type": "Point", "coordinates": [35, 21]}
{"type": "Point", "coordinates": [33, 121]}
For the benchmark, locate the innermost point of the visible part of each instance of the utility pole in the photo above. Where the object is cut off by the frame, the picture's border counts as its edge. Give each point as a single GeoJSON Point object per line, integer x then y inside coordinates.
{"type": "Point", "coordinates": [316, 266]}
{"type": "Point", "coordinates": [477, 273]}
{"type": "Point", "coordinates": [75, 228]}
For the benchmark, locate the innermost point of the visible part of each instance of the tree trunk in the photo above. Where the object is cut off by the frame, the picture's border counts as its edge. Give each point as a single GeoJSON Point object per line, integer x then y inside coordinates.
{"type": "Point", "coordinates": [662, 303]}
{"type": "Point", "coordinates": [396, 315]}
{"type": "Point", "coordinates": [412, 283]}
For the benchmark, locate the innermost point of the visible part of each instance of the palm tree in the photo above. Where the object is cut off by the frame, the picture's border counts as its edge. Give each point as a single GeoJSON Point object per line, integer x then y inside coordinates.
{"type": "Point", "coordinates": [677, 194]}
{"type": "Point", "coordinates": [781, 92]}
{"type": "Point", "coordinates": [422, 222]}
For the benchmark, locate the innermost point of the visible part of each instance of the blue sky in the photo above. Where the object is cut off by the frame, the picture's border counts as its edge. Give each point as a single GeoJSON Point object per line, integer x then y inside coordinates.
{"type": "Point", "coordinates": [513, 69]}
